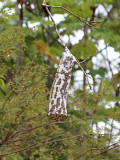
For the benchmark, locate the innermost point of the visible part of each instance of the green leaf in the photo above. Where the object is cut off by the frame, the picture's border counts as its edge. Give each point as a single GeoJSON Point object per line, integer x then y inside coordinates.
{"type": "Point", "coordinates": [2, 82]}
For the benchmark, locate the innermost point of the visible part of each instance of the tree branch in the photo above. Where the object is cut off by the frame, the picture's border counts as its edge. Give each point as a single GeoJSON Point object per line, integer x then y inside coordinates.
{"type": "Point", "coordinates": [81, 19]}
{"type": "Point", "coordinates": [105, 151]}
{"type": "Point", "coordinates": [39, 145]}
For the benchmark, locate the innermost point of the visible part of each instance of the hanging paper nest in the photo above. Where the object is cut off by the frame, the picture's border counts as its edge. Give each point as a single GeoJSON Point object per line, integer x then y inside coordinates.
{"type": "Point", "coordinates": [58, 98]}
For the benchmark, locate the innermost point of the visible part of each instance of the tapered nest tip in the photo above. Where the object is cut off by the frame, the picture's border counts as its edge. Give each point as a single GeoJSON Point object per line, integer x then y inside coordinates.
{"type": "Point", "coordinates": [57, 117]}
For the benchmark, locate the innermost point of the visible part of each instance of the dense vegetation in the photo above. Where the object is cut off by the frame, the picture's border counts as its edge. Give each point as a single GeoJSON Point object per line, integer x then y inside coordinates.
{"type": "Point", "coordinates": [28, 62]}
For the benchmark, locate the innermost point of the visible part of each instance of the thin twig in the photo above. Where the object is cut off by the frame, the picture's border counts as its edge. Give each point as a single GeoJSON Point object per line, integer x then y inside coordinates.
{"type": "Point", "coordinates": [7, 100]}
{"type": "Point", "coordinates": [84, 73]}
{"type": "Point", "coordinates": [78, 156]}
{"type": "Point", "coordinates": [105, 151]}
{"type": "Point", "coordinates": [81, 19]}
{"type": "Point", "coordinates": [39, 145]}
{"type": "Point", "coordinates": [45, 5]}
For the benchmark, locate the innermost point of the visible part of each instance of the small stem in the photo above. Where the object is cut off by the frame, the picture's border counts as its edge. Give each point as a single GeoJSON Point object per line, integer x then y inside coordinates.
{"type": "Point", "coordinates": [84, 73]}
{"type": "Point", "coordinates": [46, 6]}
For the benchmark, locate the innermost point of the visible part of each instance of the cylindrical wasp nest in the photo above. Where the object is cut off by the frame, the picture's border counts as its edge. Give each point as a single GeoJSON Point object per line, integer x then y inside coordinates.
{"type": "Point", "coordinates": [58, 98]}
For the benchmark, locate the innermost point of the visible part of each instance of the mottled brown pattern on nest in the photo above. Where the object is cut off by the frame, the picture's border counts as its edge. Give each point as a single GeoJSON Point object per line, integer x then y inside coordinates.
{"type": "Point", "coordinates": [57, 109]}
{"type": "Point", "coordinates": [57, 117]}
